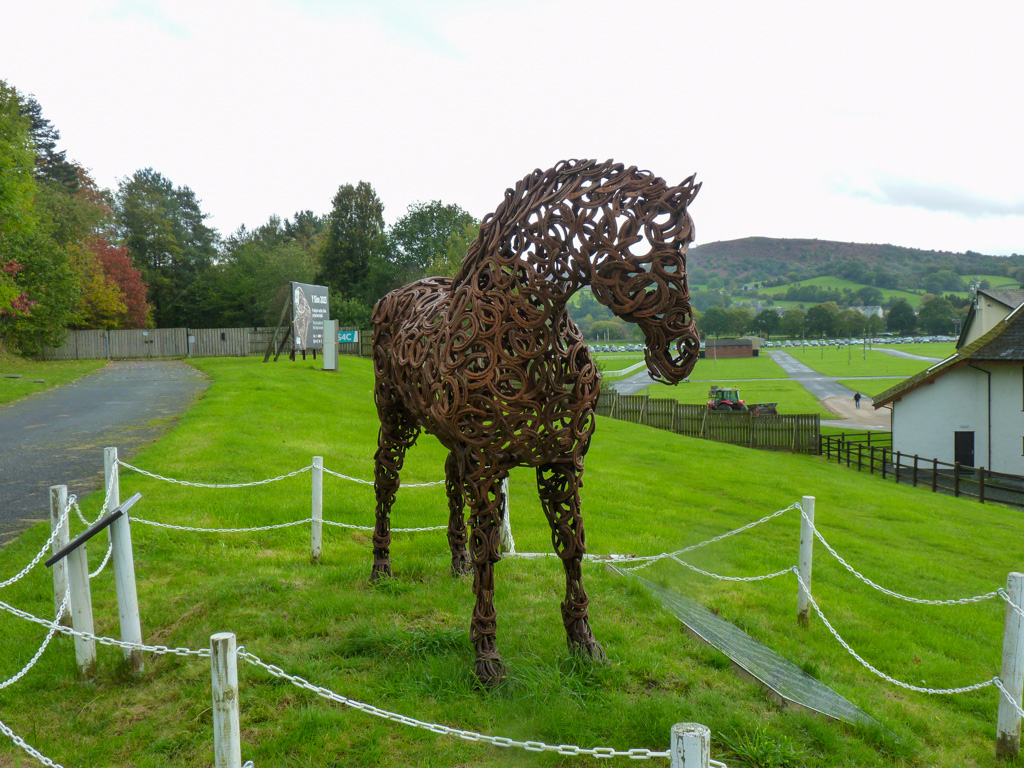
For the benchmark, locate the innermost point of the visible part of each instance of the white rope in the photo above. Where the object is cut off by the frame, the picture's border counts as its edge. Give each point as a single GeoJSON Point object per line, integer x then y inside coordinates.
{"type": "Point", "coordinates": [651, 559]}
{"type": "Point", "coordinates": [498, 741]}
{"type": "Point", "coordinates": [897, 595]}
{"type": "Point", "coordinates": [220, 530]}
{"type": "Point", "coordinates": [42, 550]}
{"type": "Point", "coordinates": [371, 482]}
{"type": "Point", "coordinates": [42, 648]}
{"type": "Point", "coordinates": [30, 750]}
{"type": "Point", "coordinates": [875, 670]}
{"type": "Point", "coordinates": [214, 485]}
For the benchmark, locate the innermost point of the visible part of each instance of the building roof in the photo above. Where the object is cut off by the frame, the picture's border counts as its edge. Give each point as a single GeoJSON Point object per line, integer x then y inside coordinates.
{"type": "Point", "coordinates": [1004, 343]}
{"type": "Point", "coordinates": [1011, 298]}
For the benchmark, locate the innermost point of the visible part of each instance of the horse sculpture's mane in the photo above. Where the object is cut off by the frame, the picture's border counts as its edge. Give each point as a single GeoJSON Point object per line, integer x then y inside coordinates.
{"type": "Point", "coordinates": [491, 364]}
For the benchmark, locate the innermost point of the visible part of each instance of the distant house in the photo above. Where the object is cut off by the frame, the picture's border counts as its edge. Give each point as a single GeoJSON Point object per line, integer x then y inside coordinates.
{"type": "Point", "coordinates": [722, 348]}
{"type": "Point", "coordinates": [988, 308]}
{"type": "Point", "coordinates": [969, 407]}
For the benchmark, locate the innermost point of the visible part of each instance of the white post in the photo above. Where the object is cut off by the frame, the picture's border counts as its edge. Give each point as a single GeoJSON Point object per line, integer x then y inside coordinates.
{"type": "Point", "coordinates": [81, 611]}
{"type": "Point", "coordinates": [508, 544]}
{"type": "Point", "coordinates": [58, 503]}
{"type": "Point", "coordinates": [330, 345]}
{"type": "Point", "coordinates": [127, 599]}
{"type": "Point", "coordinates": [691, 746]}
{"type": "Point", "coordinates": [227, 747]}
{"type": "Point", "coordinates": [316, 530]}
{"type": "Point", "coordinates": [1012, 673]}
{"type": "Point", "coordinates": [803, 612]}
{"type": "Point", "coordinates": [110, 470]}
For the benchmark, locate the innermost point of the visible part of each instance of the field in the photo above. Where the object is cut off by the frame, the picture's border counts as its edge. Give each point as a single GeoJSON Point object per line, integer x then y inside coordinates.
{"type": "Point", "coordinates": [840, 283]}
{"type": "Point", "coordinates": [52, 373]}
{"type": "Point", "coordinates": [403, 645]}
{"type": "Point", "coordinates": [855, 361]}
{"type": "Point", "coordinates": [791, 397]}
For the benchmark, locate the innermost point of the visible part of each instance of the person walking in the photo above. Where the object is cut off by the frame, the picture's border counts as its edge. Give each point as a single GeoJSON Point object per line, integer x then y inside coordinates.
{"type": "Point", "coordinates": [856, 399]}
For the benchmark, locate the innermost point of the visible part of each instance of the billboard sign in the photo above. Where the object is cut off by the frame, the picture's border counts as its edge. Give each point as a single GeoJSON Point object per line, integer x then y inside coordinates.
{"type": "Point", "coordinates": [309, 310]}
{"type": "Point", "coordinates": [348, 337]}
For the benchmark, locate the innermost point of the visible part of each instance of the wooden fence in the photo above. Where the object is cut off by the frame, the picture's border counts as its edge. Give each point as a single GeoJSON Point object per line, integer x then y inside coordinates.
{"type": "Point", "coordinates": [160, 342]}
{"type": "Point", "coordinates": [800, 433]}
{"type": "Point", "coordinates": [939, 476]}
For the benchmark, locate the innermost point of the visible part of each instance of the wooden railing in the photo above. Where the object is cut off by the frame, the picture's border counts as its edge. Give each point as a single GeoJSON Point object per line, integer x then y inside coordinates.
{"type": "Point", "coordinates": [799, 433]}
{"type": "Point", "coordinates": [939, 476]}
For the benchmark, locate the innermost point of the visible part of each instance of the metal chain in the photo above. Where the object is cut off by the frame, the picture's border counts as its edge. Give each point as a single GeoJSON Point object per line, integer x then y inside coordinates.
{"type": "Point", "coordinates": [106, 559]}
{"type": "Point", "coordinates": [370, 482]}
{"type": "Point", "coordinates": [220, 530]}
{"type": "Point", "coordinates": [648, 560]}
{"type": "Point", "coordinates": [102, 640]}
{"type": "Point", "coordinates": [42, 648]}
{"type": "Point", "coordinates": [1002, 593]}
{"type": "Point", "coordinates": [498, 741]}
{"type": "Point", "coordinates": [393, 530]}
{"type": "Point", "coordinates": [42, 551]}
{"type": "Point", "coordinates": [694, 568]}
{"type": "Point", "coordinates": [21, 743]}
{"type": "Point", "coordinates": [214, 485]}
{"type": "Point", "coordinates": [1013, 702]}
{"type": "Point", "coordinates": [103, 506]}
{"type": "Point", "coordinates": [879, 673]}
{"type": "Point", "coordinates": [897, 595]}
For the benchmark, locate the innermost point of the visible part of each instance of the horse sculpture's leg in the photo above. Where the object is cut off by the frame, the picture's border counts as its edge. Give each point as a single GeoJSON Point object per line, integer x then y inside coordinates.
{"type": "Point", "coordinates": [484, 496]}
{"type": "Point", "coordinates": [457, 536]}
{"type": "Point", "coordinates": [398, 431]}
{"type": "Point", "coordinates": [559, 486]}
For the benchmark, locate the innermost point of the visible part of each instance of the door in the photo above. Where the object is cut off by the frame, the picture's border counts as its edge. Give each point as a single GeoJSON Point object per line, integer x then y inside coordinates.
{"type": "Point", "coordinates": [963, 448]}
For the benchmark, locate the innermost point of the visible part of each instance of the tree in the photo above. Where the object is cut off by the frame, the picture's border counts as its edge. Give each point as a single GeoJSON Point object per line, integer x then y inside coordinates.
{"type": "Point", "coordinates": [50, 164]}
{"type": "Point", "coordinates": [850, 322]}
{"type": "Point", "coordinates": [937, 316]}
{"type": "Point", "coordinates": [455, 252]}
{"type": "Point", "coordinates": [715, 321]}
{"type": "Point", "coordinates": [901, 318]}
{"type": "Point", "coordinates": [17, 190]}
{"type": "Point", "coordinates": [608, 329]}
{"type": "Point", "coordinates": [353, 257]}
{"type": "Point", "coordinates": [767, 321]}
{"type": "Point", "coordinates": [870, 295]}
{"type": "Point", "coordinates": [821, 319]}
{"type": "Point", "coordinates": [116, 264]}
{"type": "Point", "coordinates": [164, 230]}
{"type": "Point", "coordinates": [792, 323]}
{"type": "Point", "coordinates": [423, 235]}
{"type": "Point", "coordinates": [741, 320]}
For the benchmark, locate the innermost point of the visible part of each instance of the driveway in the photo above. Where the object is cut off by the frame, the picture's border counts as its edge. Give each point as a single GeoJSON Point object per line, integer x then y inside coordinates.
{"type": "Point", "coordinates": [57, 437]}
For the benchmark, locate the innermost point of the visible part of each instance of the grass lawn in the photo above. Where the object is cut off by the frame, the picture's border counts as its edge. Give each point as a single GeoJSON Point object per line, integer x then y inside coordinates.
{"type": "Point", "coordinates": [791, 397]}
{"type": "Point", "coordinates": [870, 387]}
{"type": "Point", "coordinates": [52, 372]}
{"type": "Point", "coordinates": [830, 281]}
{"type": "Point", "coordinates": [403, 645]}
{"type": "Point", "coordinates": [711, 369]}
{"type": "Point", "coordinates": [855, 361]}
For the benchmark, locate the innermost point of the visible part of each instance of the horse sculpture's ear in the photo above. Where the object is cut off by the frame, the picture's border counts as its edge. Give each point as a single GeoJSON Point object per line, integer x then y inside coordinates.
{"type": "Point", "coordinates": [689, 188]}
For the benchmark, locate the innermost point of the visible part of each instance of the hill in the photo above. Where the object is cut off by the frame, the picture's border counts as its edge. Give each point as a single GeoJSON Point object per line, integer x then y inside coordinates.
{"type": "Point", "coordinates": [766, 259]}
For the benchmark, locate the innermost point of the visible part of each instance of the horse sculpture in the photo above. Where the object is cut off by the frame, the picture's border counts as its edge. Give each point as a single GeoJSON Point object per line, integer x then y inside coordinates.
{"type": "Point", "coordinates": [491, 364]}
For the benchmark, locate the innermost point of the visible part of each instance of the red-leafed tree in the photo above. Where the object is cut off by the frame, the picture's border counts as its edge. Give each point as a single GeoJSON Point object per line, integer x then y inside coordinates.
{"type": "Point", "coordinates": [117, 268]}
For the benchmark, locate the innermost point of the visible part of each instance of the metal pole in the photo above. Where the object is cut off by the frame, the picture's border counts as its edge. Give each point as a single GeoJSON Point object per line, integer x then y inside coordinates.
{"type": "Point", "coordinates": [1012, 673]}
{"type": "Point", "coordinates": [58, 503]}
{"type": "Point", "coordinates": [227, 746]}
{"type": "Point", "coordinates": [316, 530]}
{"type": "Point", "coordinates": [803, 613]}
{"type": "Point", "coordinates": [690, 746]}
{"type": "Point", "coordinates": [81, 612]}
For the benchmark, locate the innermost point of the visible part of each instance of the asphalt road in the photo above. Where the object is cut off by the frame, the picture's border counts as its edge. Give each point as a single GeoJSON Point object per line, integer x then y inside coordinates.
{"type": "Point", "coordinates": [817, 384]}
{"type": "Point", "coordinates": [57, 437]}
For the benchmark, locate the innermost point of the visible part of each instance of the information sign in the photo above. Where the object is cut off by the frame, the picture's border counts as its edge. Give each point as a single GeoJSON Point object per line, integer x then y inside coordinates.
{"type": "Point", "coordinates": [309, 310]}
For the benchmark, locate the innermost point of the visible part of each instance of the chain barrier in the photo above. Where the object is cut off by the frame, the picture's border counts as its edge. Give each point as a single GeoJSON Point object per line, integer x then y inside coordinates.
{"type": "Point", "coordinates": [42, 648]}
{"type": "Point", "coordinates": [897, 595]}
{"type": "Point", "coordinates": [648, 560]}
{"type": "Point", "coordinates": [878, 672]}
{"type": "Point", "coordinates": [26, 747]}
{"type": "Point", "coordinates": [221, 530]}
{"type": "Point", "coordinates": [444, 730]}
{"type": "Point", "coordinates": [1013, 702]}
{"type": "Point", "coordinates": [214, 485]}
{"type": "Point", "coordinates": [393, 530]}
{"type": "Point", "coordinates": [1002, 593]}
{"type": "Point", "coordinates": [103, 506]}
{"type": "Point", "coordinates": [370, 482]}
{"type": "Point", "coordinates": [42, 550]}
{"type": "Point", "coordinates": [718, 576]}
{"type": "Point", "coordinates": [106, 559]}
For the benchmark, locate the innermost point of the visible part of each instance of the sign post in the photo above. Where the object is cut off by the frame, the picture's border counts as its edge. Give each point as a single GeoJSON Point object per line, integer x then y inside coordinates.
{"type": "Point", "coordinates": [330, 345]}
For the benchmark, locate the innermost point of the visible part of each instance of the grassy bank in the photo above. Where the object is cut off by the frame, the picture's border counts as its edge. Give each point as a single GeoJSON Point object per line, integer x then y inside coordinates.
{"type": "Point", "coordinates": [404, 646]}
{"type": "Point", "coordinates": [52, 373]}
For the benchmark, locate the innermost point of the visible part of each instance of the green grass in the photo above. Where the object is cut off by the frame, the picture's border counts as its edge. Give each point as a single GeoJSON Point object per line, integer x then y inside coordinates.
{"type": "Point", "coordinates": [404, 646]}
{"type": "Point", "coordinates": [840, 283]}
{"type": "Point", "coordinates": [870, 387]}
{"type": "Point", "coordinates": [53, 373]}
{"type": "Point", "coordinates": [856, 361]}
{"type": "Point", "coordinates": [791, 397]}
{"type": "Point", "coordinates": [711, 369]}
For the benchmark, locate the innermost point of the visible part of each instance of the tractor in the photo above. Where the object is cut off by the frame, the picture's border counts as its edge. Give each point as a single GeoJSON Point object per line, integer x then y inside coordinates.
{"type": "Point", "coordinates": [723, 399]}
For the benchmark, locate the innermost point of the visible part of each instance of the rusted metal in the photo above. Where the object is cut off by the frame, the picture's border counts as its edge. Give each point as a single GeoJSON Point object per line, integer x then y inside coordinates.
{"type": "Point", "coordinates": [491, 364]}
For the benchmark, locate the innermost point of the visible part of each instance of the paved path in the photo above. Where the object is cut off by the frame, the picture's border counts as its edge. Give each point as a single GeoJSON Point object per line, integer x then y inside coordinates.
{"type": "Point", "coordinates": [631, 385]}
{"type": "Point", "coordinates": [907, 355]}
{"type": "Point", "coordinates": [817, 384]}
{"type": "Point", "coordinates": [57, 437]}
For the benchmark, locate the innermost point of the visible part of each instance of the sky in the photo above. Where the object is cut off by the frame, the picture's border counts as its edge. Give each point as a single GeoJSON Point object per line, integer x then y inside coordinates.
{"type": "Point", "coordinates": [876, 122]}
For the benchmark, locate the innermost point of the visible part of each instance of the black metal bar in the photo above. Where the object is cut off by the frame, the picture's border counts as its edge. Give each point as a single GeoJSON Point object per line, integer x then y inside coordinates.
{"type": "Point", "coordinates": [981, 485]}
{"type": "Point", "coordinates": [92, 531]}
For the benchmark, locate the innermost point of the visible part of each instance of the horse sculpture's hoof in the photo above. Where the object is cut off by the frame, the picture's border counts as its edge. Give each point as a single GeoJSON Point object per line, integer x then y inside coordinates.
{"type": "Point", "coordinates": [490, 672]}
{"type": "Point", "coordinates": [380, 572]}
{"type": "Point", "coordinates": [462, 565]}
{"type": "Point", "coordinates": [587, 648]}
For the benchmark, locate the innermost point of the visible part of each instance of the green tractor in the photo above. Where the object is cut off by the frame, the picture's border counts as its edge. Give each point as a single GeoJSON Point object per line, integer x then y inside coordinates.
{"type": "Point", "coordinates": [723, 399]}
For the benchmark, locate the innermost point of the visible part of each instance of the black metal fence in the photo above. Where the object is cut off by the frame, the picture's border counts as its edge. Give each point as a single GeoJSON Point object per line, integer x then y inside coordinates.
{"type": "Point", "coordinates": [876, 456]}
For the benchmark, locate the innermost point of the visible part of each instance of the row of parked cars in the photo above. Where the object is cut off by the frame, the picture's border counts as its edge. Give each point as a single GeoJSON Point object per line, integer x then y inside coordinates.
{"type": "Point", "coordinates": [617, 348]}
{"type": "Point", "coordinates": [843, 342]}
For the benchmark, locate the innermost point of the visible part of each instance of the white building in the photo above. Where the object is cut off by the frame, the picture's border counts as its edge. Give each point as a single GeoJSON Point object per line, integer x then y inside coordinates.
{"type": "Point", "coordinates": [988, 308]}
{"type": "Point", "coordinates": [969, 407]}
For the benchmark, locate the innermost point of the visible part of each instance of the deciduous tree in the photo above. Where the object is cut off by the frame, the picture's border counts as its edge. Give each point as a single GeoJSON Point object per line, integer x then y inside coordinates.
{"type": "Point", "coordinates": [901, 318]}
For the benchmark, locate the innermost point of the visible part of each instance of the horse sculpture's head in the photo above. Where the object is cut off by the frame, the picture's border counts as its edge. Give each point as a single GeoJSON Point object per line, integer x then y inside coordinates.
{"type": "Point", "coordinates": [637, 243]}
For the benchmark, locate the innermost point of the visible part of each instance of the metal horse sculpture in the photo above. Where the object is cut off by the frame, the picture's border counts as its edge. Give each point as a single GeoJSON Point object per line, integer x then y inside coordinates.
{"type": "Point", "coordinates": [490, 363]}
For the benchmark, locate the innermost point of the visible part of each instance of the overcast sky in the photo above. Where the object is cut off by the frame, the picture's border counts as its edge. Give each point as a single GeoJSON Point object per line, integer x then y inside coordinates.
{"type": "Point", "coordinates": [882, 122]}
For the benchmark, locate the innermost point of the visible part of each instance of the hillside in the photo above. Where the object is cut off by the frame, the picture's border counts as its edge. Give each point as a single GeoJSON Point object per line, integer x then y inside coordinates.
{"type": "Point", "coordinates": [886, 266]}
